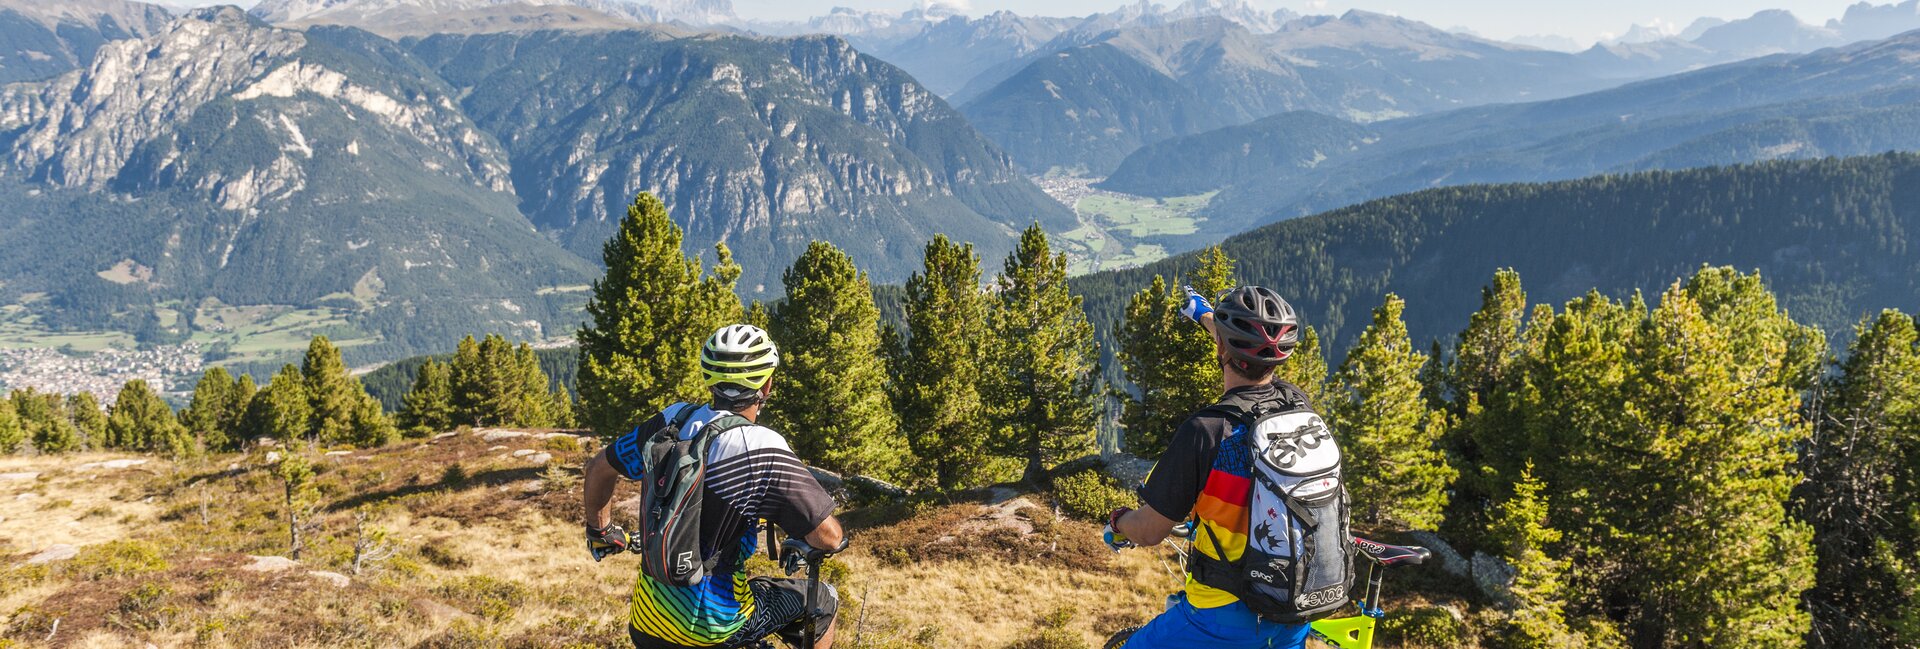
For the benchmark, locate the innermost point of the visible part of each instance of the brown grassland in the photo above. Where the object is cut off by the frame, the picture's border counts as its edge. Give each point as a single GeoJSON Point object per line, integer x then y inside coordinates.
{"type": "Point", "coordinates": [486, 551]}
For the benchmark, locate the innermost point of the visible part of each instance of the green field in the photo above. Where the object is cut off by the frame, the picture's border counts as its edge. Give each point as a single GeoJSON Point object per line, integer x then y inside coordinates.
{"type": "Point", "coordinates": [245, 333]}
{"type": "Point", "coordinates": [1120, 231]}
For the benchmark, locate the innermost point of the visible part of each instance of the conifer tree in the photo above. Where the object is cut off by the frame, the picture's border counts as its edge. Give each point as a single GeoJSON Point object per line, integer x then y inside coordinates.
{"type": "Point", "coordinates": [467, 382]}
{"type": "Point", "coordinates": [1536, 619]}
{"type": "Point", "coordinates": [13, 435]}
{"type": "Point", "coordinates": [1389, 436]}
{"type": "Point", "coordinates": [141, 421]}
{"type": "Point", "coordinates": [302, 496]}
{"type": "Point", "coordinates": [1480, 387]}
{"type": "Point", "coordinates": [494, 383]}
{"type": "Point", "coordinates": [830, 392]}
{"type": "Point", "coordinates": [235, 418]}
{"type": "Point", "coordinates": [43, 419]}
{"type": "Point", "coordinates": [330, 393]}
{"type": "Point", "coordinates": [533, 401]}
{"type": "Point", "coordinates": [560, 408]}
{"type": "Point", "coordinates": [428, 407]}
{"type": "Point", "coordinates": [1710, 431]}
{"type": "Point", "coordinates": [1861, 470]}
{"type": "Point", "coordinates": [281, 410]}
{"type": "Point", "coordinates": [1168, 359]}
{"type": "Point", "coordinates": [639, 349]}
{"type": "Point", "coordinates": [88, 419]}
{"type": "Point", "coordinates": [1042, 361]}
{"type": "Point", "coordinates": [370, 425]}
{"type": "Point", "coordinates": [206, 415]}
{"type": "Point", "coordinates": [1307, 367]}
{"type": "Point", "coordinates": [939, 397]}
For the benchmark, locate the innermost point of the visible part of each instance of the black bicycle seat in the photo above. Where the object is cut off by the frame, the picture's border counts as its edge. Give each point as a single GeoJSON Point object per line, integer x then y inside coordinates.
{"type": "Point", "coordinates": [1392, 555]}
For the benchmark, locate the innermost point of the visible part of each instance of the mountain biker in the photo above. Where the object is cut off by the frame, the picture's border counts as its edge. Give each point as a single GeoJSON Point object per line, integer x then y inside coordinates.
{"type": "Point", "coordinates": [1204, 474]}
{"type": "Point", "coordinates": [751, 474]}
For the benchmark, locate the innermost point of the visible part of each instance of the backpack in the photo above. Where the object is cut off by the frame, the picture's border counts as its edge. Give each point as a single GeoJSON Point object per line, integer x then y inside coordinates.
{"type": "Point", "coordinates": [1298, 562]}
{"type": "Point", "coordinates": [671, 497]}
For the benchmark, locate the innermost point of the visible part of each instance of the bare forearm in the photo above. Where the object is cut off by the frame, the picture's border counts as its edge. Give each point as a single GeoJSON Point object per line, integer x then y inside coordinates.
{"type": "Point", "coordinates": [597, 498]}
{"type": "Point", "coordinates": [828, 535]}
{"type": "Point", "coordinates": [1144, 526]}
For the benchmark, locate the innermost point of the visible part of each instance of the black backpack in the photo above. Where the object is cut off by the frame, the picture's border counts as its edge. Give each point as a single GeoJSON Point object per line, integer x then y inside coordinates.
{"type": "Point", "coordinates": [671, 497]}
{"type": "Point", "coordinates": [1298, 562]}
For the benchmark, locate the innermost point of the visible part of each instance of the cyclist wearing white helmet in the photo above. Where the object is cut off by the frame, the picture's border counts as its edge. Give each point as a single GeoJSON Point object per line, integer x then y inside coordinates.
{"type": "Point", "coordinates": [751, 474]}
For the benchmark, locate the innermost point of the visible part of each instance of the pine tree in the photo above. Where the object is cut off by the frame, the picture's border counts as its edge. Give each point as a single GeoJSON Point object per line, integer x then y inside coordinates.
{"type": "Point", "coordinates": [330, 393]}
{"type": "Point", "coordinates": [13, 435]}
{"type": "Point", "coordinates": [89, 419]}
{"type": "Point", "coordinates": [44, 418]}
{"type": "Point", "coordinates": [1519, 530]}
{"type": "Point", "coordinates": [428, 407]}
{"type": "Point", "coordinates": [370, 425]}
{"type": "Point", "coordinates": [560, 408]}
{"type": "Point", "coordinates": [1710, 431]}
{"type": "Point", "coordinates": [835, 409]}
{"type": "Point", "coordinates": [533, 400]}
{"type": "Point", "coordinates": [1307, 367]}
{"type": "Point", "coordinates": [639, 350]}
{"type": "Point", "coordinates": [494, 383]}
{"type": "Point", "coordinates": [1398, 473]}
{"type": "Point", "coordinates": [206, 414]}
{"type": "Point", "coordinates": [234, 419]}
{"type": "Point", "coordinates": [281, 411]}
{"type": "Point", "coordinates": [1480, 387]}
{"type": "Point", "coordinates": [302, 496]}
{"type": "Point", "coordinates": [1861, 467]}
{"type": "Point", "coordinates": [141, 421]}
{"type": "Point", "coordinates": [1169, 360]}
{"type": "Point", "coordinates": [939, 376]}
{"type": "Point", "coordinates": [1042, 361]}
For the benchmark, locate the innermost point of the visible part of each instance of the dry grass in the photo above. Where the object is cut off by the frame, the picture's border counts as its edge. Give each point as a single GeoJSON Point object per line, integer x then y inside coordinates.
{"type": "Point", "coordinates": [489, 555]}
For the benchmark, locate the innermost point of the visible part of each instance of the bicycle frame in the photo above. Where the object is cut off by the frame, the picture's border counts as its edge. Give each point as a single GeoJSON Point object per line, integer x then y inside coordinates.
{"type": "Point", "coordinates": [1356, 632]}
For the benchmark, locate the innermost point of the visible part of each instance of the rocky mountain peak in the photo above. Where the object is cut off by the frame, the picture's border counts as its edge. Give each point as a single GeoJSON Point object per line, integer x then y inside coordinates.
{"type": "Point", "coordinates": [79, 129]}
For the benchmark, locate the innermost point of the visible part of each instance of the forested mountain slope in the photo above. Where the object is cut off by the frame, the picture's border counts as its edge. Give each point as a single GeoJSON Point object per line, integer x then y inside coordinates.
{"type": "Point", "coordinates": [1831, 237]}
{"type": "Point", "coordinates": [765, 144]}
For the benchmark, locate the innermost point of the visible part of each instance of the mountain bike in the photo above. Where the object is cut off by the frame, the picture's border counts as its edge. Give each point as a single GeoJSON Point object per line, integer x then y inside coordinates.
{"type": "Point", "coordinates": [1351, 632]}
{"type": "Point", "coordinates": [795, 555]}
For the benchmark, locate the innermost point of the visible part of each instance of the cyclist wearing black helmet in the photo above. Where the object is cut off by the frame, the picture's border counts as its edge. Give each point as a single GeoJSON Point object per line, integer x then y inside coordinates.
{"type": "Point", "coordinates": [1204, 475]}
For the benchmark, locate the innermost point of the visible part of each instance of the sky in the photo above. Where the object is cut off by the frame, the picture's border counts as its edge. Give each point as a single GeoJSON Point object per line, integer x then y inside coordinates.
{"type": "Point", "coordinates": [1581, 20]}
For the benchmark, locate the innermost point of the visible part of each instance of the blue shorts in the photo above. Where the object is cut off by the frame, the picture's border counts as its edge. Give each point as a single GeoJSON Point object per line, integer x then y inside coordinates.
{"type": "Point", "coordinates": [1226, 627]}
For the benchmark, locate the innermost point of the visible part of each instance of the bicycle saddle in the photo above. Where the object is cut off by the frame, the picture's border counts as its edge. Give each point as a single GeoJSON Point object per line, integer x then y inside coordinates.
{"type": "Point", "coordinates": [1392, 555]}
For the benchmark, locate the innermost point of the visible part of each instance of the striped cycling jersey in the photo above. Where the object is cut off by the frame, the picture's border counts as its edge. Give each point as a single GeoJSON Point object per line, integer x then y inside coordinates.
{"type": "Point", "coordinates": [751, 475]}
{"type": "Point", "coordinates": [1207, 472]}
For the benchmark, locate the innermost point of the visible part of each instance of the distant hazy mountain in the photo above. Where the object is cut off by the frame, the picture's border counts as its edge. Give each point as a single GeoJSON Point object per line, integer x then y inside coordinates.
{"type": "Point", "coordinates": [1085, 108]}
{"type": "Point", "coordinates": [1867, 21]}
{"type": "Point", "coordinates": [1268, 150]}
{"type": "Point", "coordinates": [224, 159]}
{"type": "Point", "coordinates": [1842, 101]}
{"type": "Point", "coordinates": [378, 15]}
{"type": "Point", "coordinates": [43, 38]}
{"type": "Point", "coordinates": [946, 54]}
{"type": "Point", "coordinates": [1767, 32]}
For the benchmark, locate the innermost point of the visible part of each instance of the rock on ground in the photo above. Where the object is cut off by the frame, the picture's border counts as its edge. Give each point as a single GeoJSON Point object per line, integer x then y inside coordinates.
{"type": "Point", "coordinates": [55, 552]}
{"type": "Point", "coordinates": [540, 458]}
{"type": "Point", "coordinates": [497, 435]}
{"type": "Point", "coordinates": [111, 464]}
{"type": "Point", "coordinates": [334, 579]}
{"type": "Point", "coordinates": [21, 475]}
{"type": "Point", "coordinates": [523, 452]}
{"type": "Point", "coordinates": [1450, 559]}
{"type": "Point", "coordinates": [270, 564]}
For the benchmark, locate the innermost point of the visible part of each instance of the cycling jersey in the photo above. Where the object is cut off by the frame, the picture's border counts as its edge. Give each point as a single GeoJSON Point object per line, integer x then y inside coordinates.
{"type": "Point", "coordinates": [1206, 472]}
{"type": "Point", "coordinates": [751, 474]}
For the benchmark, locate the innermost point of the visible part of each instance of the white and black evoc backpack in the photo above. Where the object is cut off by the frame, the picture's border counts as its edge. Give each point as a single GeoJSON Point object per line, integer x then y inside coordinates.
{"type": "Point", "coordinates": [1298, 563]}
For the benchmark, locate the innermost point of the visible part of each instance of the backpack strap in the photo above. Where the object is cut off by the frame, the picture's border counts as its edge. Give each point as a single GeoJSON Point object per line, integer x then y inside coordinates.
{"type": "Point", "coordinates": [678, 421]}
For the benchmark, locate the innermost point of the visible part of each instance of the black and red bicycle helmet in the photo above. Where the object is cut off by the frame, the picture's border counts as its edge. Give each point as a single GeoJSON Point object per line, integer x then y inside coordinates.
{"type": "Point", "coordinates": [1259, 328]}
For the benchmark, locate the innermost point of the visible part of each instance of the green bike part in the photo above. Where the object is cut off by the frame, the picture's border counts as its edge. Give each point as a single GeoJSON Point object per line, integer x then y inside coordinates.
{"type": "Point", "coordinates": [1346, 632]}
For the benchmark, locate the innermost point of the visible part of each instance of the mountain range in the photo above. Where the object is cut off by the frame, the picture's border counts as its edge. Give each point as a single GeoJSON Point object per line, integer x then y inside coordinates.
{"type": "Point", "coordinates": [1841, 101]}
{"type": "Point", "coordinates": [463, 182]}
{"type": "Point", "coordinates": [39, 39]}
{"type": "Point", "coordinates": [1829, 236]}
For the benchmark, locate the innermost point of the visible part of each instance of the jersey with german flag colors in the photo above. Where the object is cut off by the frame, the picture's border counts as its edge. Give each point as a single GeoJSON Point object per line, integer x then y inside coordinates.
{"type": "Point", "coordinates": [1206, 474]}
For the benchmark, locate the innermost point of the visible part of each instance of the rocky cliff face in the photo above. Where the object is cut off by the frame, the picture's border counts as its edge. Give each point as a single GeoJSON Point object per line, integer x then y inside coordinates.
{"type": "Point", "coordinates": [257, 165]}
{"type": "Point", "coordinates": [40, 39]}
{"type": "Point", "coordinates": [762, 144]}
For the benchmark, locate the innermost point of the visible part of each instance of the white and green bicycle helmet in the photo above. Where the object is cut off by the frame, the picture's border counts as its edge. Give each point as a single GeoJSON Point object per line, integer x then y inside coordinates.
{"type": "Point", "coordinates": [737, 361]}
